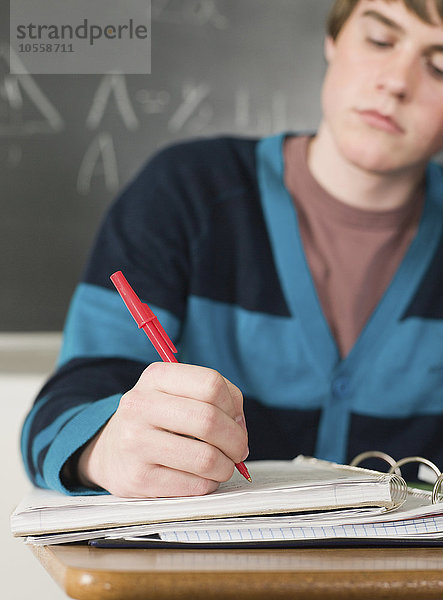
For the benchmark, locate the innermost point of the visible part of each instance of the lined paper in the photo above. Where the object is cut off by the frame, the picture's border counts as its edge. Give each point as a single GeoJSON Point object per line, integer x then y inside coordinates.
{"type": "Point", "coordinates": [400, 529]}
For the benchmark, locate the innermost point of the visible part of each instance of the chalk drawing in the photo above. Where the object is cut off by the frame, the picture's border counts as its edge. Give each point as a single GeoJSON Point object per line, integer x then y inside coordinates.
{"type": "Point", "coordinates": [99, 159]}
{"type": "Point", "coordinates": [202, 12]}
{"type": "Point", "coordinates": [12, 91]}
{"type": "Point", "coordinates": [112, 85]}
{"type": "Point", "coordinates": [193, 97]}
{"type": "Point", "coordinates": [272, 117]}
{"type": "Point", "coordinates": [192, 12]}
{"type": "Point", "coordinates": [153, 102]}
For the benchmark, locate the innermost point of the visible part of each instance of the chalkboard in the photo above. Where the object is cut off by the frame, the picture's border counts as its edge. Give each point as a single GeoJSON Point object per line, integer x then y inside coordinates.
{"type": "Point", "coordinates": [69, 143]}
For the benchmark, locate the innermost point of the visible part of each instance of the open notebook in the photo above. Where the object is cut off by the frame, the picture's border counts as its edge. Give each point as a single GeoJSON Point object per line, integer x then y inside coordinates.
{"type": "Point", "coordinates": [283, 488]}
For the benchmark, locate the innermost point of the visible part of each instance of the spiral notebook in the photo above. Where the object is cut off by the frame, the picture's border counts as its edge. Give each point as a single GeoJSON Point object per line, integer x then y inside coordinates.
{"type": "Point", "coordinates": [288, 501]}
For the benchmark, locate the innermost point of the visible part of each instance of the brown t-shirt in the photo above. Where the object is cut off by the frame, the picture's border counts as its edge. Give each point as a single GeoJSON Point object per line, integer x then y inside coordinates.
{"type": "Point", "coordinates": [352, 253]}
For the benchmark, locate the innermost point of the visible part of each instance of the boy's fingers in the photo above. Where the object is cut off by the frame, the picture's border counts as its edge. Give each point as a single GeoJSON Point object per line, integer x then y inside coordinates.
{"type": "Point", "coordinates": [186, 454]}
{"type": "Point", "coordinates": [191, 381]}
{"type": "Point", "coordinates": [237, 398]}
{"type": "Point", "coordinates": [196, 419]}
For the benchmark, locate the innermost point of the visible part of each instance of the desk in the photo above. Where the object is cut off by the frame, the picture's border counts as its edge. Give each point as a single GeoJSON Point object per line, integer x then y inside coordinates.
{"type": "Point", "coordinates": [326, 574]}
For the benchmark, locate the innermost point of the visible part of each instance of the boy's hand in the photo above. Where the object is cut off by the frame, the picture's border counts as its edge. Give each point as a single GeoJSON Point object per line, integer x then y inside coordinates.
{"type": "Point", "coordinates": [178, 432]}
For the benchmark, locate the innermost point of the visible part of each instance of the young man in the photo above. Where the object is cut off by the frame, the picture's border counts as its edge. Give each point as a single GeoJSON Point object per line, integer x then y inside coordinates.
{"type": "Point", "coordinates": [306, 272]}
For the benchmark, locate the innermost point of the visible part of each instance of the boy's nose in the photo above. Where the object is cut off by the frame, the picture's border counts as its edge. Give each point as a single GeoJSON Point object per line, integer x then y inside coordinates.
{"type": "Point", "coordinates": [397, 78]}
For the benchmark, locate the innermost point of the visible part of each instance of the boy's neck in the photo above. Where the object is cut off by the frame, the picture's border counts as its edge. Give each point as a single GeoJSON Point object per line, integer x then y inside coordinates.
{"type": "Point", "coordinates": [355, 186]}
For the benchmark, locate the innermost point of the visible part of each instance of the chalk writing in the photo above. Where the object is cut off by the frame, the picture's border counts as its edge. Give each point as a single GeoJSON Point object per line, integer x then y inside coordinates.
{"type": "Point", "coordinates": [193, 12]}
{"type": "Point", "coordinates": [112, 85]}
{"type": "Point", "coordinates": [193, 97]}
{"type": "Point", "coordinates": [99, 159]}
{"type": "Point", "coordinates": [12, 90]}
{"type": "Point", "coordinates": [270, 117]}
{"type": "Point", "coordinates": [153, 101]}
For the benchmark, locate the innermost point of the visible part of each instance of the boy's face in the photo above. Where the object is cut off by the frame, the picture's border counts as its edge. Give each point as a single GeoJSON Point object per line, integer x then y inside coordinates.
{"type": "Point", "coordinates": [383, 91]}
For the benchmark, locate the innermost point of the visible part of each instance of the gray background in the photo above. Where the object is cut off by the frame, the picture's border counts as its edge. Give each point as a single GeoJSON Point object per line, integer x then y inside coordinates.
{"type": "Point", "coordinates": [68, 143]}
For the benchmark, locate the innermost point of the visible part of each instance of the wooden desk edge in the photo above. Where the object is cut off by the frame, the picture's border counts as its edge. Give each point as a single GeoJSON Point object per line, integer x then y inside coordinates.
{"type": "Point", "coordinates": [96, 584]}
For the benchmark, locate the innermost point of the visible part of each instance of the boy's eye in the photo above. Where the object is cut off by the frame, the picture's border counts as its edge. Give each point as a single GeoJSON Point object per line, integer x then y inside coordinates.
{"type": "Point", "coordinates": [376, 34]}
{"type": "Point", "coordinates": [379, 43]}
{"type": "Point", "coordinates": [436, 71]}
{"type": "Point", "coordinates": [436, 65]}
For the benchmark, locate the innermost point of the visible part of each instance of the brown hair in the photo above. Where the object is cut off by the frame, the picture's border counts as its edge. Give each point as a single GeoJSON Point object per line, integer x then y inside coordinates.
{"type": "Point", "coordinates": [341, 10]}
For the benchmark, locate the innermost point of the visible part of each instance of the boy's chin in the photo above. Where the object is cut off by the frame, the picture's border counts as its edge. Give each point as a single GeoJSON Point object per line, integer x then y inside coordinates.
{"type": "Point", "coordinates": [374, 158]}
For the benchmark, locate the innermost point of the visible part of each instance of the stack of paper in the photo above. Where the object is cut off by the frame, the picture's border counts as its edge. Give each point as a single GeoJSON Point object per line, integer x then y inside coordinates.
{"type": "Point", "coordinates": [274, 506]}
{"type": "Point", "coordinates": [416, 519]}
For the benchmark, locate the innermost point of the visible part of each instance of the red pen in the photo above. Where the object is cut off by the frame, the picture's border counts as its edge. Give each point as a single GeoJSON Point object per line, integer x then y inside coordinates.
{"type": "Point", "coordinates": [146, 320]}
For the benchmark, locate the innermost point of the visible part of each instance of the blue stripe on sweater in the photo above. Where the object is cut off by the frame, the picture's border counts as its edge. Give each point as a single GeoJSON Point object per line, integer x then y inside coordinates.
{"type": "Point", "coordinates": [25, 433]}
{"type": "Point", "coordinates": [79, 429]}
{"type": "Point", "coordinates": [270, 366]}
{"type": "Point", "coordinates": [45, 437]}
{"type": "Point", "coordinates": [265, 364]}
{"type": "Point", "coordinates": [100, 325]}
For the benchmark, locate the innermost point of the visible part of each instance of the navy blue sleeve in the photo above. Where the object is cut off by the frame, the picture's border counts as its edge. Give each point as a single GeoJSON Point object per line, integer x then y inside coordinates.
{"type": "Point", "coordinates": [148, 233]}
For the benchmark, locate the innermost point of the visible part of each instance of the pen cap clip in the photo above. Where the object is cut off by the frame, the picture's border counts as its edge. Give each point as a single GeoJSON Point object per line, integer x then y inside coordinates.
{"type": "Point", "coordinates": [164, 335]}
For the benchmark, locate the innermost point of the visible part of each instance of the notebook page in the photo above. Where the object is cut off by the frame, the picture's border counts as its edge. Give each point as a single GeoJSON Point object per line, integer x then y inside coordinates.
{"type": "Point", "coordinates": [432, 526]}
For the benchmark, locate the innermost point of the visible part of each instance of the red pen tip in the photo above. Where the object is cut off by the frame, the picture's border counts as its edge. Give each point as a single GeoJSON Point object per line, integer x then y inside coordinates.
{"type": "Point", "coordinates": [241, 468]}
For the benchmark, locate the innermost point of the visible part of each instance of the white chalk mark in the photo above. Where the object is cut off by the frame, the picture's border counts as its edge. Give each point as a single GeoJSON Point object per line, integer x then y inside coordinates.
{"type": "Point", "coordinates": [161, 11]}
{"type": "Point", "coordinates": [112, 85]}
{"type": "Point", "coordinates": [193, 12]}
{"type": "Point", "coordinates": [12, 87]}
{"type": "Point", "coordinates": [153, 102]}
{"type": "Point", "coordinates": [193, 96]}
{"type": "Point", "coordinates": [101, 151]}
{"type": "Point", "coordinates": [11, 92]}
{"type": "Point", "coordinates": [272, 117]}
{"type": "Point", "coordinates": [202, 12]}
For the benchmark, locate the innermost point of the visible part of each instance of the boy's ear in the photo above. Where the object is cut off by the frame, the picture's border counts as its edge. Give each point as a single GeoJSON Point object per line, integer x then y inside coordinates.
{"type": "Point", "coordinates": [329, 48]}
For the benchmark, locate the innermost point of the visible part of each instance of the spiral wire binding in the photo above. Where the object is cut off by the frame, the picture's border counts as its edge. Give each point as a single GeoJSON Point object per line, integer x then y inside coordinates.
{"type": "Point", "coordinates": [436, 496]}
{"type": "Point", "coordinates": [374, 454]}
{"type": "Point", "coordinates": [398, 484]}
{"type": "Point", "coordinates": [398, 489]}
